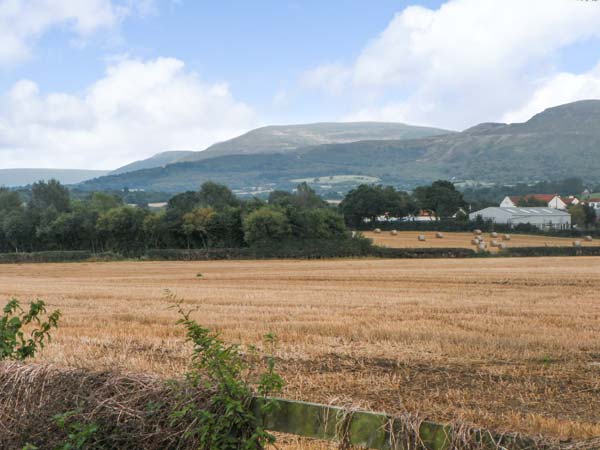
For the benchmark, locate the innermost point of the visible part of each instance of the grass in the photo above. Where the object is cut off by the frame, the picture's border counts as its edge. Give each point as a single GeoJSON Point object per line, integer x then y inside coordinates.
{"type": "Point", "coordinates": [510, 344]}
{"type": "Point", "coordinates": [409, 239]}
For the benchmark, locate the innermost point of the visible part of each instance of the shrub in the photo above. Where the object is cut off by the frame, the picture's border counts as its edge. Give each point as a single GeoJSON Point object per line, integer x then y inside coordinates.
{"type": "Point", "coordinates": [14, 344]}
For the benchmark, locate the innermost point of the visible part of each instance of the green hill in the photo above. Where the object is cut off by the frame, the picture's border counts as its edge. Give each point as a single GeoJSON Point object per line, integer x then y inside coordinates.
{"type": "Point", "coordinates": [288, 138]}
{"type": "Point", "coordinates": [158, 160]}
{"type": "Point", "coordinates": [557, 143]}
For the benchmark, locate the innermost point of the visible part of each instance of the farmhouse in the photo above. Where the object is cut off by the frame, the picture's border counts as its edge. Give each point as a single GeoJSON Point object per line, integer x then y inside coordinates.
{"type": "Point", "coordinates": [543, 218]}
{"type": "Point", "coordinates": [554, 201]}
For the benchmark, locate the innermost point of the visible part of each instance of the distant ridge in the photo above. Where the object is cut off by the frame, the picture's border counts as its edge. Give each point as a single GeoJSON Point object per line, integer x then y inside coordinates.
{"type": "Point", "coordinates": [23, 177]}
{"type": "Point", "coordinates": [559, 142]}
{"type": "Point", "coordinates": [287, 138]}
{"type": "Point", "coordinates": [158, 160]}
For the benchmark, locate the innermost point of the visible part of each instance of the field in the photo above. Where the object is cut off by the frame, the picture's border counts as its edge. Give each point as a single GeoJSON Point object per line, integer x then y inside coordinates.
{"type": "Point", "coordinates": [510, 344]}
{"type": "Point", "coordinates": [409, 239]}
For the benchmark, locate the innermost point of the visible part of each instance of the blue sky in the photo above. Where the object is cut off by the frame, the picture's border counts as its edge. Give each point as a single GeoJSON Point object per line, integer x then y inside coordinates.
{"type": "Point", "coordinates": [98, 83]}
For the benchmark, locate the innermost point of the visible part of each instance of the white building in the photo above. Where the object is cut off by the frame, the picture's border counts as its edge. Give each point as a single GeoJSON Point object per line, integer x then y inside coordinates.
{"type": "Point", "coordinates": [543, 218]}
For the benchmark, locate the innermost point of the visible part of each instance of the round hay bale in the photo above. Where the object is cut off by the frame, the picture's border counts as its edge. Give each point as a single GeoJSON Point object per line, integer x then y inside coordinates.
{"type": "Point", "coordinates": [439, 235]}
{"type": "Point", "coordinates": [377, 230]}
{"type": "Point", "coordinates": [422, 237]}
{"type": "Point", "coordinates": [494, 234]}
{"type": "Point", "coordinates": [506, 237]}
{"type": "Point", "coordinates": [475, 241]}
{"type": "Point", "coordinates": [588, 239]}
{"type": "Point", "coordinates": [482, 246]}
{"type": "Point", "coordinates": [576, 243]}
{"type": "Point", "coordinates": [478, 232]}
{"type": "Point", "coordinates": [394, 233]}
{"type": "Point", "coordinates": [494, 243]}
{"type": "Point", "coordinates": [502, 246]}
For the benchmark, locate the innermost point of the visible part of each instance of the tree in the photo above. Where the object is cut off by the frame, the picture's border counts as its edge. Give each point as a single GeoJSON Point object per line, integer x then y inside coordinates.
{"type": "Point", "coordinates": [266, 224]}
{"type": "Point", "coordinates": [582, 215]}
{"type": "Point", "coordinates": [441, 197]}
{"type": "Point", "coordinates": [216, 195]}
{"type": "Point", "coordinates": [322, 223]}
{"type": "Point", "coordinates": [18, 229]}
{"type": "Point", "coordinates": [155, 228]}
{"type": "Point", "coordinates": [196, 224]}
{"type": "Point", "coordinates": [102, 202]}
{"type": "Point", "coordinates": [46, 194]}
{"type": "Point", "coordinates": [122, 229]}
{"type": "Point", "coordinates": [530, 200]}
{"type": "Point", "coordinates": [9, 200]}
{"type": "Point", "coordinates": [225, 228]}
{"type": "Point", "coordinates": [370, 202]}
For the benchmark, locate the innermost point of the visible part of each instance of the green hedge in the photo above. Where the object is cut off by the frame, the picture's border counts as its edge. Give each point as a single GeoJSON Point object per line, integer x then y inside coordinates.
{"type": "Point", "coordinates": [552, 251]}
{"type": "Point", "coordinates": [55, 256]}
{"type": "Point", "coordinates": [385, 252]}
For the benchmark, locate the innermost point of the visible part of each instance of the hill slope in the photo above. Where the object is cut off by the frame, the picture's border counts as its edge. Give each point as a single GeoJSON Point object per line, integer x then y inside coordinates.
{"type": "Point", "coordinates": [158, 160]}
{"type": "Point", "coordinates": [23, 177]}
{"type": "Point", "coordinates": [288, 138]}
{"type": "Point", "coordinates": [559, 142]}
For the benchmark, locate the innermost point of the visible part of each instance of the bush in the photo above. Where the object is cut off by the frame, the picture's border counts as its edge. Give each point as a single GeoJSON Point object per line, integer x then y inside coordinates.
{"type": "Point", "coordinates": [14, 344]}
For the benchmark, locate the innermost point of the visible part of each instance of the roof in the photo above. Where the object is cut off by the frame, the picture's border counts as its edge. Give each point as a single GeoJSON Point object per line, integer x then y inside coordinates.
{"type": "Point", "coordinates": [541, 197]}
{"type": "Point", "coordinates": [593, 200]}
{"type": "Point", "coordinates": [520, 211]}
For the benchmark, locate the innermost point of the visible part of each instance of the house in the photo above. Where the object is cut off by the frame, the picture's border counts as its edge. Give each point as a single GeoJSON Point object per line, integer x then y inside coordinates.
{"type": "Point", "coordinates": [554, 201]}
{"type": "Point", "coordinates": [542, 218]}
{"type": "Point", "coordinates": [594, 202]}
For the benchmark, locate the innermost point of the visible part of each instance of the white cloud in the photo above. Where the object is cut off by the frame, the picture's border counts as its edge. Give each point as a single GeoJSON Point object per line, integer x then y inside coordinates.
{"type": "Point", "coordinates": [138, 108]}
{"type": "Point", "coordinates": [561, 88]}
{"type": "Point", "coordinates": [24, 21]}
{"type": "Point", "coordinates": [332, 78]}
{"type": "Point", "coordinates": [468, 61]}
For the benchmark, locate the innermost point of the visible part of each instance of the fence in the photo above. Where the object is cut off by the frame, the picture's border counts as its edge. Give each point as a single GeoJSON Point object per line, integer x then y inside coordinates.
{"type": "Point", "coordinates": [379, 431]}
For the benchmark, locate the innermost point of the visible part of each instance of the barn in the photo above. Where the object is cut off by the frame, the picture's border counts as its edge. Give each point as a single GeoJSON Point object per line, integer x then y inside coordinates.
{"type": "Point", "coordinates": [543, 218]}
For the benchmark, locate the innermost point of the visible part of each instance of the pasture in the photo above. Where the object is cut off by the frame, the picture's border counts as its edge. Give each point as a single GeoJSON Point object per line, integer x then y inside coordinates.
{"type": "Point", "coordinates": [409, 239]}
{"type": "Point", "coordinates": [510, 344]}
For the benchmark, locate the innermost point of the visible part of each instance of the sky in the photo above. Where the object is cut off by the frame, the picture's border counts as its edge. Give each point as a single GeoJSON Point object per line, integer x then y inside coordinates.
{"type": "Point", "coordinates": [96, 84]}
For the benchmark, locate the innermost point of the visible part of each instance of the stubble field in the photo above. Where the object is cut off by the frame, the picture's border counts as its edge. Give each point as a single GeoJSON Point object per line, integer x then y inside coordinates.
{"type": "Point", "coordinates": [409, 239]}
{"type": "Point", "coordinates": [511, 344]}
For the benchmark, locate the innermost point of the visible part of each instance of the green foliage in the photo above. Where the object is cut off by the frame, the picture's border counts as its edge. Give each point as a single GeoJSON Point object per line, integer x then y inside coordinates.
{"type": "Point", "coordinates": [229, 423]}
{"type": "Point", "coordinates": [266, 224]}
{"type": "Point", "coordinates": [441, 197]}
{"type": "Point", "coordinates": [369, 202]}
{"type": "Point", "coordinates": [14, 343]}
{"type": "Point", "coordinates": [122, 229]}
{"type": "Point", "coordinates": [582, 215]}
{"type": "Point", "coordinates": [79, 435]}
{"type": "Point", "coordinates": [530, 200]}
{"type": "Point", "coordinates": [46, 194]}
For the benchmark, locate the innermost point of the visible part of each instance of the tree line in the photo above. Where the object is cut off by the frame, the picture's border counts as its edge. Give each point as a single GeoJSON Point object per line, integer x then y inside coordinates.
{"type": "Point", "coordinates": [211, 217]}
{"type": "Point", "coordinates": [50, 219]}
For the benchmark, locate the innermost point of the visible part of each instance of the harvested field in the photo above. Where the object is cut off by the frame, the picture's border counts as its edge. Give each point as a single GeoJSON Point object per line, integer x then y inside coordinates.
{"type": "Point", "coordinates": [511, 344]}
{"type": "Point", "coordinates": [409, 239]}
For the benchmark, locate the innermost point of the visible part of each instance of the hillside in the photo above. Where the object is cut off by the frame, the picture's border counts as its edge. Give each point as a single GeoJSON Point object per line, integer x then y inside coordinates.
{"type": "Point", "coordinates": [158, 160]}
{"type": "Point", "coordinates": [23, 177]}
{"type": "Point", "coordinates": [288, 138]}
{"type": "Point", "coordinates": [559, 142]}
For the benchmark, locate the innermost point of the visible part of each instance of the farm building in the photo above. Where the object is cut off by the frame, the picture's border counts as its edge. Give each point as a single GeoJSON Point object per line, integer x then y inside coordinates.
{"type": "Point", "coordinates": [543, 218]}
{"type": "Point", "coordinates": [554, 201]}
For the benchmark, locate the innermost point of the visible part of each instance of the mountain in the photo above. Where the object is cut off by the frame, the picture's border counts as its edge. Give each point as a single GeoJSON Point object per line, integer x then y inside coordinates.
{"type": "Point", "coordinates": [158, 160]}
{"type": "Point", "coordinates": [288, 138]}
{"type": "Point", "coordinates": [560, 142]}
{"type": "Point", "coordinates": [23, 177]}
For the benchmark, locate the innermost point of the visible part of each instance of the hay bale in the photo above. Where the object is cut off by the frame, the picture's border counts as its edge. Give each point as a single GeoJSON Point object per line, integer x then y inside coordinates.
{"type": "Point", "coordinates": [439, 235]}
{"type": "Point", "coordinates": [394, 233]}
{"type": "Point", "coordinates": [422, 238]}
{"type": "Point", "coordinates": [478, 232]}
{"type": "Point", "coordinates": [576, 243]}
{"type": "Point", "coordinates": [377, 230]}
{"type": "Point", "coordinates": [482, 246]}
{"type": "Point", "coordinates": [506, 237]}
{"type": "Point", "coordinates": [502, 246]}
{"type": "Point", "coordinates": [494, 234]}
{"type": "Point", "coordinates": [494, 243]}
{"type": "Point", "coordinates": [588, 239]}
{"type": "Point", "coordinates": [475, 241]}
{"type": "Point", "coordinates": [32, 394]}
